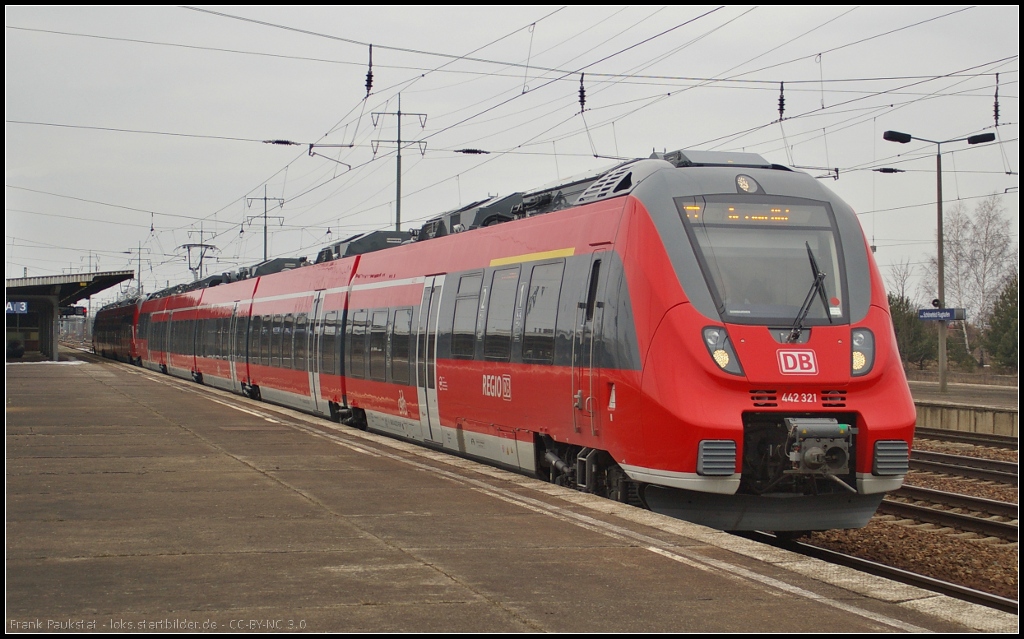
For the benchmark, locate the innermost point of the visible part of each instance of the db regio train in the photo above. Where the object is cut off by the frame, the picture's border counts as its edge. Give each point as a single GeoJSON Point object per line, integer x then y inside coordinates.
{"type": "Point", "coordinates": [704, 334]}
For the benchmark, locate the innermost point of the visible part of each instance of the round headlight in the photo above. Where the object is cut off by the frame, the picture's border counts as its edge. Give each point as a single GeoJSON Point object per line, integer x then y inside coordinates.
{"type": "Point", "coordinates": [721, 358]}
{"type": "Point", "coordinates": [859, 361]}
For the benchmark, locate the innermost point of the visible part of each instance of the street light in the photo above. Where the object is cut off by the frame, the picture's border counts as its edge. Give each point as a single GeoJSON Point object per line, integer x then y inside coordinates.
{"type": "Point", "coordinates": [903, 138]}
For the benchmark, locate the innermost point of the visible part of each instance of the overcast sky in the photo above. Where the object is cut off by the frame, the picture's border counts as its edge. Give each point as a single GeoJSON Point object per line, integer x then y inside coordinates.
{"type": "Point", "coordinates": [137, 131]}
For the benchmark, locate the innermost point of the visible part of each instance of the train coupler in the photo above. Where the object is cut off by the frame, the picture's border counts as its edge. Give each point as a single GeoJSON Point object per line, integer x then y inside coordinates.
{"type": "Point", "coordinates": [819, 446]}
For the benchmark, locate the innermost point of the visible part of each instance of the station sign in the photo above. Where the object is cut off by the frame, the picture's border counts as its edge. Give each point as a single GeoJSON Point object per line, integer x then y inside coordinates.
{"type": "Point", "coordinates": [18, 308]}
{"type": "Point", "coordinates": [943, 314]}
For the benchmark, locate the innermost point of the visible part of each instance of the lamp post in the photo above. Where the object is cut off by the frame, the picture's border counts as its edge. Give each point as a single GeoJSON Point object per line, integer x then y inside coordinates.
{"type": "Point", "coordinates": [903, 138]}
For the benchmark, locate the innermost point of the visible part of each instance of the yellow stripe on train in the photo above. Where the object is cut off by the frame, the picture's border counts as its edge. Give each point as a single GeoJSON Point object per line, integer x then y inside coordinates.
{"type": "Point", "coordinates": [533, 257]}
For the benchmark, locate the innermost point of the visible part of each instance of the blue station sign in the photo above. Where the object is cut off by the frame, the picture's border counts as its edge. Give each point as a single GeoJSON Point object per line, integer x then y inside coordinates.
{"type": "Point", "coordinates": [946, 314]}
{"type": "Point", "coordinates": [18, 308]}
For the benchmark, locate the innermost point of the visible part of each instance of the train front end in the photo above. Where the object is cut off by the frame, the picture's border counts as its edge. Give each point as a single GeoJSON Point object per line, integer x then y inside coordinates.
{"type": "Point", "coordinates": [775, 398]}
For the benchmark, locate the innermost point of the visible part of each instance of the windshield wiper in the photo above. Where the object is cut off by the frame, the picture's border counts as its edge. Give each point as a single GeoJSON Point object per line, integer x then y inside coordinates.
{"type": "Point", "coordinates": [816, 286]}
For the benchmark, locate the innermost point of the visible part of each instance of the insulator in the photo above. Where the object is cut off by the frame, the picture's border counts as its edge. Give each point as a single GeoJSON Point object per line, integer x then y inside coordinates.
{"type": "Point", "coordinates": [995, 108]}
{"type": "Point", "coordinates": [782, 100]}
{"type": "Point", "coordinates": [369, 73]}
{"type": "Point", "coordinates": [583, 94]}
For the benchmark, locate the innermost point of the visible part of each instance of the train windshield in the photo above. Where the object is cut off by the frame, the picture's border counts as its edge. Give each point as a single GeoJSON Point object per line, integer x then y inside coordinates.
{"type": "Point", "coordinates": [755, 257]}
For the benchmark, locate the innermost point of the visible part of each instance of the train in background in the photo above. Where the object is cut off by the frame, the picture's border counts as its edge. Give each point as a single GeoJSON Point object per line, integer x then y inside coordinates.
{"type": "Point", "coordinates": [704, 334]}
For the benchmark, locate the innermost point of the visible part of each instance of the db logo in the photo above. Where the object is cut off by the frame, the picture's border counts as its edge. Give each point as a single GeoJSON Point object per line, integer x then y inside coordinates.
{"type": "Point", "coordinates": [498, 386]}
{"type": "Point", "coordinates": [798, 363]}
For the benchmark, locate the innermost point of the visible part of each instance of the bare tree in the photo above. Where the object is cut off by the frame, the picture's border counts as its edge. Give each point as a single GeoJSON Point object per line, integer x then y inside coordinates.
{"type": "Point", "coordinates": [897, 282]}
{"type": "Point", "coordinates": [914, 338]}
{"type": "Point", "coordinates": [980, 257]}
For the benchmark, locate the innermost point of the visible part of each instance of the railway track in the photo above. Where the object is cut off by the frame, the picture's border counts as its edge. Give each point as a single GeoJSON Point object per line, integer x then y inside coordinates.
{"type": "Point", "coordinates": [889, 572]}
{"type": "Point", "coordinates": [984, 516]}
{"type": "Point", "coordinates": [962, 512]}
{"type": "Point", "coordinates": [977, 439]}
{"type": "Point", "coordinates": [974, 467]}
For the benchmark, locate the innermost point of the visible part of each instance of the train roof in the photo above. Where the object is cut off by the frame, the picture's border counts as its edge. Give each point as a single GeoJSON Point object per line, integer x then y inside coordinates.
{"type": "Point", "coordinates": [584, 188]}
{"type": "Point", "coordinates": [128, 301]}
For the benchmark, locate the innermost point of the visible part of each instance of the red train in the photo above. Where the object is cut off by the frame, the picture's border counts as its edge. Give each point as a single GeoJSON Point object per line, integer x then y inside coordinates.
{"type": "Point", "coordinates": [705, 334]}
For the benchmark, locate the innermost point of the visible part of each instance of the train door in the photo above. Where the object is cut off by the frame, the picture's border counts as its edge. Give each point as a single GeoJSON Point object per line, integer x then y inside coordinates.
{"type": "Point", "coordinates": [236, 352]}
{"type": "Point", "coordinates": [164, 343]}
{"type": "Point", "coordinates": [586, 339]}
{"type": "Point", "coordinates": [314, 334]}
{"type": "Point", "coordinates": [426, 358]}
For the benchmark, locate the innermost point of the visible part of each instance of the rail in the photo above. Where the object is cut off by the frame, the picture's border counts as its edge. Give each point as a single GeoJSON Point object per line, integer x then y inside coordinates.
{"type": "Point", "coordinates": [896, 574]}
{"type": "Point", "coordinates": [973, 467]}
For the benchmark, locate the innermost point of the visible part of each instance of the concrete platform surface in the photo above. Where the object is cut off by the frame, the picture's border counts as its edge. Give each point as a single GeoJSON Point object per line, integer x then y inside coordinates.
{"type": "Point", "coordinates": [139, 502]}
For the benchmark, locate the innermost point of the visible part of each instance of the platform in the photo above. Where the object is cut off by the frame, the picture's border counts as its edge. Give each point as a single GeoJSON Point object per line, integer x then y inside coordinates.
{"type": "Point", "coordinates": [136, 501]}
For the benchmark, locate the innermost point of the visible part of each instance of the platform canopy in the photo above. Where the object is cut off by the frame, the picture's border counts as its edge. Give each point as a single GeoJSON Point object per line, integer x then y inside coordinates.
{"type": "Point", "coordinates": [68, 289]}
{"type": "Point", "coordinates": [41, 298]}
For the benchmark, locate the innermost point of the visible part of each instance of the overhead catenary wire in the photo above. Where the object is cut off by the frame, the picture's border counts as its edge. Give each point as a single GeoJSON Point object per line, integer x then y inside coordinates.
{"type": "Point", "coordinates": [586, 126]}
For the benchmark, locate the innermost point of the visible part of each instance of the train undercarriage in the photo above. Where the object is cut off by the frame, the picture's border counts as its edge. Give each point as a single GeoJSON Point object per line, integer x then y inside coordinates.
{"type": "Point", "coordinates": [797, 475]}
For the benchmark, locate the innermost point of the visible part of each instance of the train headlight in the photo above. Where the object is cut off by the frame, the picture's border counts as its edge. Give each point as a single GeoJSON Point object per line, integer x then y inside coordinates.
{"type": "Point", "coordinates": [862, 357]}
{"type": "Point", "coordinates": [720, 348]}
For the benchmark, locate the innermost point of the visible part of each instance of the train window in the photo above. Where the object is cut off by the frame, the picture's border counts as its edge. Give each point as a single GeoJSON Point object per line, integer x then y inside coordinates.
{"type": "Point", "coordinates": [301, 343]}
{"type": "Point", "coordinates": [541, 312]}
{"type": "Point", "coordinates": [143, 327]}
{"type": "Point", "coordinates": [288, 341]}
{"type": "Point", "coordinates": [500, 310]}
{"type": "Point", "coordinates": [357, 347]}
{"type": "Point", "coordinates": [224, 343]}
{"type": "Point", "coordinates": [208, 331]}
{"type": "Point", "coordinates": [328, 345]}
{"type": "Point", "coordinates": [275, 341]}
{"type": "Point", "coordinates": [463, 345]}
{"type": "Point", "coordinates": [241, 330]}
{"type": "Point", "coordinates": [265, 334]}
{"type": "Point", "coordinates": [214, 333]}
{"type": "Point", "coordinates": [756, 253]}
{"type": "Point", "coordinates": [208, 335]}
{"type": "Point", "coordinates": [255, 327]}
{"type": "Point", "coordinates": [464, 331]}
{"type": "Point", "coordinates": [378, 339]}
{"type": "Point", "coordinates": [401, 345]}
{"type": "Point", "coordinates": [595, 275]}
{"type": "Point", "coordinates": [222, 337]}
{"type": "Point", "coordinates": [470, 284]}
